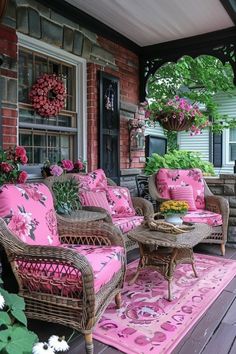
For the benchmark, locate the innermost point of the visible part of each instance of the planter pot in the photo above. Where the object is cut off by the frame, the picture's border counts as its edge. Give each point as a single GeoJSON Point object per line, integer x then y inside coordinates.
{"type": "Point", "coordinates": [174, 219]}
{"type": "Point", "coordinates": [173, 124]}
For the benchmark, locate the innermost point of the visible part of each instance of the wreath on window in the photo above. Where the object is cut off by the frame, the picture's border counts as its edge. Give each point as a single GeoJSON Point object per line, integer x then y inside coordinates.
{"type": "Point", "coordinates": [48, 95]}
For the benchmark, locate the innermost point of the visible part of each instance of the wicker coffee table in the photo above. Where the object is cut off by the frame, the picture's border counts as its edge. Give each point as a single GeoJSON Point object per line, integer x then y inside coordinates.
{"type": "Point", "coordinates": [163, 251]}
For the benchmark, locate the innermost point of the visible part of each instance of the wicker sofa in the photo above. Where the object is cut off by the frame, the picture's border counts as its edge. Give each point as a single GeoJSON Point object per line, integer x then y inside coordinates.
{"type": "Point", "coordinates": [210, 209]}
{"type": "Point", "coordinates": [143, 208]}
{"type": "Point", "coordinates": [66, 271]}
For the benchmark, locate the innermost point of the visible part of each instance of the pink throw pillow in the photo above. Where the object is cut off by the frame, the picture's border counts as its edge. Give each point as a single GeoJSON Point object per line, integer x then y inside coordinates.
{"type": "Point", "coordinates": [94, 198]}
{"type": "Point", "coordinates": [184, 193]}
{"type": "Point", "coordinates": [120, 201]}
{"type": "Point", "coordinates": [92, 180]}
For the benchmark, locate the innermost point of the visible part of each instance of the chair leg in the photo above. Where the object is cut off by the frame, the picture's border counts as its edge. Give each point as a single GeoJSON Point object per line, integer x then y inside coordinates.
{"type": "Point", "coordinates": [222, 247]}
{"type": "Point", "coordinates": [88, 343]}
{"type": "Point", "coordinates": [118, 300]}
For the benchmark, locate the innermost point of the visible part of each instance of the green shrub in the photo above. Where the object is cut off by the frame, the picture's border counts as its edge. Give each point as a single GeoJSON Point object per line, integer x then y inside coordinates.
{"type": "Point", "coordinates": [178, 159]}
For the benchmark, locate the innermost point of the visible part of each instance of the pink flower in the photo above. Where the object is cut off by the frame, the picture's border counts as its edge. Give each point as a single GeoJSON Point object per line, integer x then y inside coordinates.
{"type": "Point", "coordinates": [21, 225]}
{"type": "Point", "coordinates": [5, 167]}
{"type": "Point", "coordinates": [24, 159]}
{"type": "Point", "coordinates": [22, 177]}
{"type": "Point", "coordinates": [79, 165]}
{"type": "Point", "coordinates": [20, 151]}
{"type": "Point", "coordinates": [56, 170]}
{"type": "Point", "coordinates": [67, 165]}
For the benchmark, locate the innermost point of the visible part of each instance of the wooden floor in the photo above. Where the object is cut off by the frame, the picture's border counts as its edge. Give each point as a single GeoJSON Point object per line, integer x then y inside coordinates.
{"type": "Point", "coordinates": [214, 333]}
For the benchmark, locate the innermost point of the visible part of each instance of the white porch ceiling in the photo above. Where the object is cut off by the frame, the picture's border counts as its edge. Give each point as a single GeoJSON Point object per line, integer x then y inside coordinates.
{"type": "Point", "coordinates": [148, 22]}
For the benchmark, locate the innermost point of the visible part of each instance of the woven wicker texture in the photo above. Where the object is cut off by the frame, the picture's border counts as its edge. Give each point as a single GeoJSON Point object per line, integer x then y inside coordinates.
{"type": "Point", "coordinates": [213, 203]}
{"type": "Point", "coordinates": [142, 207]}
{"type": "Point", "coordinates": [78, 307]}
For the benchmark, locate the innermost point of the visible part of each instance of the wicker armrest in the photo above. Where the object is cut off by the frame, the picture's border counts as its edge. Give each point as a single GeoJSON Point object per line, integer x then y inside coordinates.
{"type": "Point", "coordinates": [218, 205]}
{"type": "Point", "coordinates": [94, 233]}
{"type": "Point", "coordinates": [142, 206]}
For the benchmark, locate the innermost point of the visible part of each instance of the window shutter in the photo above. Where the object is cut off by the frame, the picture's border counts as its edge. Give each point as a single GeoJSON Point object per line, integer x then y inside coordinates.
{"type": "Point", "coordinates": [217, 150]}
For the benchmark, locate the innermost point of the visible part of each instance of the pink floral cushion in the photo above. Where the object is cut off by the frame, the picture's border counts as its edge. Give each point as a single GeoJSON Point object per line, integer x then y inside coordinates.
{"type": "Point", "coordinates": [203, 217]}
{"type": "Point", "coordinates": [93, 180]}
{"type": "Point", "coordinates": [64, 280]}
{"type": "Point", "coordinates": [183, 193]}
{"type": "Point", "coordinates": [28, 210]}
{"type": "Point", "coordinates": [94, 198]}
{"type": "Point", "coordinates": [167, 178]}
{"type": "Point", "coordinates": [128, 223]}
{"type": "Point", "coordinates": [120, 201]}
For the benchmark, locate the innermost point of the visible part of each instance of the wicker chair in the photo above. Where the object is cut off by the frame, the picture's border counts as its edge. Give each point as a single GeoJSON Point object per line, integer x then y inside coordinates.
{"type": "Point", "coordinates": [213, 203]}
{"type": "Point", "coordinates": [142, 206]}
{"type": "Point", "coordinates": [60, 283]}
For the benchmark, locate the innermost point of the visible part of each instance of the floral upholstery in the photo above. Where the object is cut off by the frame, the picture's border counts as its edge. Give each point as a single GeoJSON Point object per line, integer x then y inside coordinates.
{"type": "Point", "coordinates": [28, 210]}
{"type": "Point", "coordinates": [120, 201]}
{"type": "Point", "coordinates": [29, 213]}
{"type": "Point", "coordinates": [127, 223]}
{"type": "Point", "coordinates": [170, 178]}
{"type": "Point", "coordinates": [105, 262]}
{"type": "Point", "coordinates": [93, 180]}
{"type": "Point", "coordinates": [204, 217]}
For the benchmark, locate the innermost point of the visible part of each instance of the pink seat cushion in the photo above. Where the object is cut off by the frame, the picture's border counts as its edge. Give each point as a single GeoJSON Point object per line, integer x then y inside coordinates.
{"type": "Point", "coordinates": [64, 280]}
{"type": "Point", "coordinates": [92, 180]}
{"type": "Point", "coordinates": [128, 223]}
{"type": "Point", "coordinates": [94, 198]}
{"type": "Point", "coordinates": [183, 193]}
{"type": "Point", "coordinates": [204, 217]}
{"type": "Point", "coordinates": [28, 210]}
{"type": "Point", "coordinates": [120, 201]}
{"type": "Point", "coordinates": [167, 178]}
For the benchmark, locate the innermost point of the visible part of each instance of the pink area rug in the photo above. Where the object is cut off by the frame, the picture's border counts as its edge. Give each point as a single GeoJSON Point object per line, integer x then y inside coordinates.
{"type": "Point", "coordinates": [147, 322]}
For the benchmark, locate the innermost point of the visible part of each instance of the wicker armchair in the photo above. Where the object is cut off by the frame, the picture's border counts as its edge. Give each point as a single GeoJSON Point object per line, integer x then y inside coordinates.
{"type": "Point", "coordinates": [215, 204]}
{"type": "Point", "coordinates": [142, 206]}
{"type": "Point", "coordinates": [60, 281]}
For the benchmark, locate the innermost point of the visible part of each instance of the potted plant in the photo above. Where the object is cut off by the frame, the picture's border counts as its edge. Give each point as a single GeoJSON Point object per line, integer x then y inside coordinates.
{"type": "Point", "coordinates": [178, 114]}
{"type": "Point", "coordinates": [10, 161]}
{"type": "Point", "coordinates": [173, 210]}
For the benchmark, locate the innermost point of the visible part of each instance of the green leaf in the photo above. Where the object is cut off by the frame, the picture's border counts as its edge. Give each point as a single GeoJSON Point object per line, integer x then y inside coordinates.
{"type": "Point", "coordinates": [4, 318]}
{"type": "Point", "coordinates": [19, 315]}
{"type": "Point", "coordinates": [21, 341]}
{"type": "Point", "coordinates": [16, 302]}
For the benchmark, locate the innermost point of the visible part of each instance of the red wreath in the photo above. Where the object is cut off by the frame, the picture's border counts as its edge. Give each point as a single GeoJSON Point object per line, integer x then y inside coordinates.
{"type": "Point", "coordinates": [48, 95]}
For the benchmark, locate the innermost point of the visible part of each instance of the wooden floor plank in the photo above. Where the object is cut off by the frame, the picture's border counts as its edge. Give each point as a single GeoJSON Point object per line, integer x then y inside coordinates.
{"type": "Point", "coordinates": [221, 341]}
{"type": "Point", "coordinates": [203, 330]}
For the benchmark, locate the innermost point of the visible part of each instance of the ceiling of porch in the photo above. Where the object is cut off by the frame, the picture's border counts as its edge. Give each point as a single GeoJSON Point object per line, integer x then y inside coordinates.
{"type": "Point", "coordinates": [147, 22]}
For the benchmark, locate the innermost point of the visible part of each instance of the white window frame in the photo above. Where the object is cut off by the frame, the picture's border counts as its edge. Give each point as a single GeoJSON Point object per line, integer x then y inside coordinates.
{"type": "Point", "coordinates": [226, 150]}
{"type": "Point", "coordinates": [81, 84]}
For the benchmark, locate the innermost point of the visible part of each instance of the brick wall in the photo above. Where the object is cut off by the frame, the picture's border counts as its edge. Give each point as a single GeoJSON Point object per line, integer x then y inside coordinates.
{"type": "Point", "coordinates": [8, 86]}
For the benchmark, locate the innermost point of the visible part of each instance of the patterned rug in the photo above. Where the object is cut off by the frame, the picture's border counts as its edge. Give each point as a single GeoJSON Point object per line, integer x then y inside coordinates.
{"type": "Point", "coordinates": [147, 322]}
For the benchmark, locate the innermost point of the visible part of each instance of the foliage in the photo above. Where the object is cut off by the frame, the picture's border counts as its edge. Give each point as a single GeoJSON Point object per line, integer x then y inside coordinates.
{"type": "Point", "coordinates": [66, 195]}
{"type": "Point", "coordinates": [62, 166]}
{"type": "Point", "coordinates": [171, 207]}
{"type": "Point", "coordinates": [198, 80]}
{"type": "Point", "coordinates": [178, 159]}
{"type": "Point", "coordinates": [15, 338]}
{"type": "Point", "coordinates": [9, 165]}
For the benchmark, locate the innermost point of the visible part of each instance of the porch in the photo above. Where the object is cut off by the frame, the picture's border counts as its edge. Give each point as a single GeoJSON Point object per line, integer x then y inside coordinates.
{"type": "Point", "coordinates": [214, 332]}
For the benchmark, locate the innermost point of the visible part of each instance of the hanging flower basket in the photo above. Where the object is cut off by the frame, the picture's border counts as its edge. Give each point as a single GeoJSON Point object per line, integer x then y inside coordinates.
{"type": "Point", "coordinates": [174, 124]}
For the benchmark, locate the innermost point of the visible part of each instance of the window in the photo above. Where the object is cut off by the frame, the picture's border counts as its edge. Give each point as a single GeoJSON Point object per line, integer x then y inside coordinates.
{"type": "Point", "coordinates": [232, 144]}
{"type": "Point", "coordinates": [59, 137]}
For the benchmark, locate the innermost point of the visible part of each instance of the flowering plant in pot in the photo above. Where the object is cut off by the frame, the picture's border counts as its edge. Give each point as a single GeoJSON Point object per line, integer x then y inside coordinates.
{"type": "Point", "coordinates": [178, 114]}
{"type": "Point", "coordinates": [10, 160]}
{"type": "Point", "coordinates": [173, 210]}
{"type": "Point", "coordinates": [63, 166]}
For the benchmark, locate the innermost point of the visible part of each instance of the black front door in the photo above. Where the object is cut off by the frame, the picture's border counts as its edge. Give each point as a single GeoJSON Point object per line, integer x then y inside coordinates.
{"type": "Point", "coordinates": [109, 152]}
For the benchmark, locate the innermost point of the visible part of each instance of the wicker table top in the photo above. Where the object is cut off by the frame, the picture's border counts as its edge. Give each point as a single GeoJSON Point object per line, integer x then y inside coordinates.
{"type": "Point", "coordinates": [144, 235]}
{"type": "Point", "coordinates": [86, 215]}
